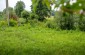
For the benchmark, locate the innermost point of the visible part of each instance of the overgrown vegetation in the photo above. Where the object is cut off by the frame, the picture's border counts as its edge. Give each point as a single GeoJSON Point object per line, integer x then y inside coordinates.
{"type": "Point", "coordinates": [27, 40]}
{"type": "Point", "coordinates": [25, 14]}
{"type": "Point", "coordinates": [61, 32]}
{"type": "Point", "coordinates": [65, 21]}
{"type": "Point", "coordinates": [20, 6]}
{"type": "Point", "coordinates": [41, 9]}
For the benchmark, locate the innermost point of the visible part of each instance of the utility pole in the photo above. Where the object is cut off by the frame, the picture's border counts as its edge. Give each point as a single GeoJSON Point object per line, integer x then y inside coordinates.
{"type": "Point", "coordinates": [7, 12]}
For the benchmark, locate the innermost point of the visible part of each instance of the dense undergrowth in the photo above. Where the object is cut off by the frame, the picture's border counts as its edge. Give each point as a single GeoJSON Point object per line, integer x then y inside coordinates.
{"type": "Point", "coordinates": [27, 40]}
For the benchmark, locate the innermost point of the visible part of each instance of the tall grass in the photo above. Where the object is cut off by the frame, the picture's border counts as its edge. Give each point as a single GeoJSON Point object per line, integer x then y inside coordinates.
{"type": "Point", "coordinates": [27, 40]}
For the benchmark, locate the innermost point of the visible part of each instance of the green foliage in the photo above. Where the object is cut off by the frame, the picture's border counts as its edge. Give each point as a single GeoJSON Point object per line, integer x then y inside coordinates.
{"type": "Point", "coordinates": [71, 5]}
{"type": "Point", "coordinates": [40, 9]}
{"type": "Point", "coordinates": [3, 23]}
{"type": "Point", "coordinates": [19, 8]}
{"type": "Point", "coordinates": [82, 2]}
{"type": "Point", "coordinates": [1, 17]}
{"type": "Point", "coordinates": [51, 24]}
{"type": "Point", "coordinates": [81, 23]}
{"type": "Point", "coordinates": [65, 20]}
{"type": "Point", "coordinates": [12, 23]}
{"type": "Point", "coordinates": [41, 41]}
{"type": "Point", "coordinates": [25, 14]}
{"type": "Point", "coordinates": [10, 10]}
{"type": "Point", "coordinates": [11, 13]}
{"type": "Point", "coordinates": [34, 39]}
{"type": "Point", "coordinates": [22, 20]}
{"type": "Point", "coordinates": [0, 13]}
{"type": "Point", "coordinates": [34, 22]}
{"type": "Point", "coordinates": [33, 16]}
{"type": "Point", "coordinates": [46, 2]}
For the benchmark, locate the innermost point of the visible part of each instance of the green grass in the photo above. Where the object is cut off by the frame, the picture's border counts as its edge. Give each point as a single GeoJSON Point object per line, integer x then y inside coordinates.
{"type": "Point", "coordinates": [27, 40]}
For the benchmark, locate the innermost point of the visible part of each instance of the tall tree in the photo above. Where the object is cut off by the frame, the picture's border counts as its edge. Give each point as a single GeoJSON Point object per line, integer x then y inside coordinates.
{"type": "Point", "coordinates": [7, 12]}
{"type": "Point", "coordinates": [41, 9]}
{"type": "Point", "coordinates": [19, 8]}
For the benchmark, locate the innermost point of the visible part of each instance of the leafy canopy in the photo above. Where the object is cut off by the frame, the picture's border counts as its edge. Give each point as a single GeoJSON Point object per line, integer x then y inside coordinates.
{"type": "Point", "coordinates": [41, 9]}
{"type": "Point", "coordinates": [19, 8]}
{"type": "Point", "coordinates": [79, 4]}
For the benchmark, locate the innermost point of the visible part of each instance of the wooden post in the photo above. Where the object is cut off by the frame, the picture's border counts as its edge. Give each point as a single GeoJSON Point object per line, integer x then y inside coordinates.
{"type": "Point", "coordinates": [7, 12]}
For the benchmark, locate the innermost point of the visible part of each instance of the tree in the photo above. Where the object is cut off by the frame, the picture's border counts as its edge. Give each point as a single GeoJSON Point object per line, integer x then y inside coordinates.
{"type": "Point", "coordinates": [12, 14]}
{"type": "Point", "coordinates": [19, 8]}
{"type": "Point", "coordinates": [10, 10]}
{"type": "Point", "coordinates": [41, 9]}
{"type": "Point", "coordinates": [25, 14]}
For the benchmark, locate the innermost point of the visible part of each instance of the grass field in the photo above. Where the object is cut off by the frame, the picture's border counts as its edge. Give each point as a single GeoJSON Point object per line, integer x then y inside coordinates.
{"type": "Point", "coordinates": [41, 41]}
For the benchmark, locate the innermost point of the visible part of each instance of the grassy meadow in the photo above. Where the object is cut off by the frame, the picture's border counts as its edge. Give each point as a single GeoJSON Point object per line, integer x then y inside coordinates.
{"type": "Point", "coordinates": [42, 27]}
{"type": "Point", "coordinates": [27, 40]}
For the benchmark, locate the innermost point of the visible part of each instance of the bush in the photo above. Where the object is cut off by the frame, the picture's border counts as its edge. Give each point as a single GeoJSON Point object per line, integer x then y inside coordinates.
{"type": "Point", "coordinates": [81, 24]}
{"type": "Point", "coordinates": [21, 20]}
{"type": "Point", "coordinates": [33, 16]}
{"type": "Point", "coordinates": [25, 14]}
{"type": "Point", "coordinates": [13, 16]}
{"type": "Point", "coordinates": [51, 24]}
{"type": "Point", "coordinates": [33, 23]}
{"type": "Point", "coordinates": [12, 23]}
{"type": "Point", "coordinates": [65, 21]}
{"type": "Point", "coordinates": [27, 26]}
{"type": "Point", "coordinates": [3, 23]}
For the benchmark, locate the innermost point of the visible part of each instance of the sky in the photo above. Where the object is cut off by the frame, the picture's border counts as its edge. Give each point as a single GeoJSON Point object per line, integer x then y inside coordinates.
{"type": "Point", "coordinates": [28, 3]}
{"type": "Point", "coordinates": [12, 3]}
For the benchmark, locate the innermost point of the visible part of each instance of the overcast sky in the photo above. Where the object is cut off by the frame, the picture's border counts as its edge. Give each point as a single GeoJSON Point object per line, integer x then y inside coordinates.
{"type": "Point", "coordinates": [12, 3]}
{"type": "Point", "coordinates": [28, 3]}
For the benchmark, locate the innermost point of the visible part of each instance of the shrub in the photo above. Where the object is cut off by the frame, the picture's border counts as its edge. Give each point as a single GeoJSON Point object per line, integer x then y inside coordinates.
{"type": "Point", "coordinates": [13, 23]}
{"type": "Point", "coordinates": [25, 14]}
{"type": "Point", "coordinates": [13, 16]}
{"type": "Point", "coordinates": [51, 24]}
{"type": "Point", "coordinates": [65, 21]}
{"type": "Point", "coordinates": [81, 24]}
{"type": "Point", "coordinates": [33, 16]}
{"type": "Point", "coordinates": [76, 20]}
{"type": "Point", "coordinates": [33, 23]}
{"type": "Point", "coordinates": [21, 20]}
{"type": "Point", "coordinates": [27, 26]}
{"type": "Point", "coordinates": [3, 23]}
